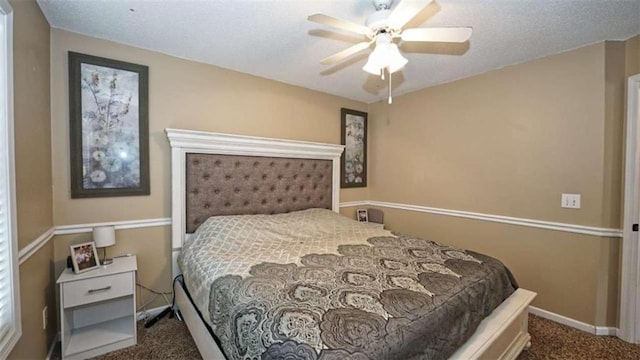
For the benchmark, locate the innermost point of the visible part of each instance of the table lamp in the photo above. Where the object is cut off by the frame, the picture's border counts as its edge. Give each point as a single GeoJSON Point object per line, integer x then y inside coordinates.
{"type": "Point", "coordinates": [104, 236]}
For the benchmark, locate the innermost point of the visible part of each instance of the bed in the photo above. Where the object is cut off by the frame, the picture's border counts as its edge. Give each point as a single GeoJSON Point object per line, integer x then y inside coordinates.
{"type": "Point", "coordinates": [316, 284]}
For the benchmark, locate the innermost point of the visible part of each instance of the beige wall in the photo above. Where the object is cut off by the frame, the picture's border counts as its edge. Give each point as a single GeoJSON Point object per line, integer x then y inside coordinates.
{"type": "Point", "coordinates": [37, 285]}
{"type": "Point", "coordinates": [633, 56]}
{"type": "Point", "coordinates": [33, 175]}
{"type": "Point", "coordinates": [607, 294]}
{"type": "Point", "coordinates": [507, 142]}
{"type": "Point", "coordinates": [32, 120]}
{"type": "Point", "coordinates": [188, 95]}
{"type": "Point", "coordinates": [614, 122]}
{"type": "Point", "coordinates": [510, 142]}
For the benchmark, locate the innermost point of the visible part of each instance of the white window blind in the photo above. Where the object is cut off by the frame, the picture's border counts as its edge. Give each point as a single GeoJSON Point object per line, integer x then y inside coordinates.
{"type": "Point", "coordinates": [10, 327]}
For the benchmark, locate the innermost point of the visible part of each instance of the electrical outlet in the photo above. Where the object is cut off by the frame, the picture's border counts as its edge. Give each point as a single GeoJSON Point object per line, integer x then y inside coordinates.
{"type": "Point", "coordinates": [570, 201]}
{"type": "Point", "coordinates": [45, 316]}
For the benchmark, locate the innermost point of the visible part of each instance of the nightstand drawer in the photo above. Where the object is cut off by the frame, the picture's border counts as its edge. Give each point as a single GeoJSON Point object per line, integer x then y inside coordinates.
{"type": "Point", "coordinates": [97, 289]}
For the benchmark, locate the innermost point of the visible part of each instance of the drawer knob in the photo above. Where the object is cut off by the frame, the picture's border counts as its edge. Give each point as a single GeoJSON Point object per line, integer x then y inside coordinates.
{"type": "Point", "coordinates": [91, 291]}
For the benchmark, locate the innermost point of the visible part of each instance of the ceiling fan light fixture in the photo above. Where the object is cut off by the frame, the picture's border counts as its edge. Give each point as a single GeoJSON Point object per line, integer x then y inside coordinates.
{"type": "Point", "coordinates": [385, 56]}
{"type": "Point", "coordinates": [383, 26]}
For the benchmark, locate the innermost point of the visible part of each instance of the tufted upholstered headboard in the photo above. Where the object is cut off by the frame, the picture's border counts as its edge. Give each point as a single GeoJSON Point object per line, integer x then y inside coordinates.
{"type": "Point", "coordinates": [237, 185]}
{"type": "Point", "coordinates": [216, 174]}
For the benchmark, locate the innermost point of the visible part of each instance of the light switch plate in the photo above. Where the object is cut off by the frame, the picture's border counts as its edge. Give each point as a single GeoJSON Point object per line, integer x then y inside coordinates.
{"type": "Point", "coordinates": [570, 201]}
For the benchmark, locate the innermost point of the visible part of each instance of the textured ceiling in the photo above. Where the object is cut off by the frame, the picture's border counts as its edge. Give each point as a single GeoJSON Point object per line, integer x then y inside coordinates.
{"type": "Point", "coordinates": [274, 40]}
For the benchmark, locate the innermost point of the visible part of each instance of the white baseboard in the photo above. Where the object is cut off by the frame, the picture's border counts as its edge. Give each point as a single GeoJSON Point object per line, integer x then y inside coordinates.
{"type": "Point", "coordinates": [53, 346]}
{"type": "Point", "coordinates": [591, 329]}
{"type": "Point", "coordinates": [606, 331]}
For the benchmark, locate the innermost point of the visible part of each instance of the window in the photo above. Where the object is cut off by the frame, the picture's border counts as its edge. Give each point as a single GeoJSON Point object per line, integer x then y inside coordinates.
{"type": "Point", "coordinates": [10, 327]}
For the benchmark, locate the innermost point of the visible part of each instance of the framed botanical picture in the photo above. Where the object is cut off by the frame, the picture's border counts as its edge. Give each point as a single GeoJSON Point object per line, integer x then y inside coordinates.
{"type": "Point", "coordinates": [353, 167]}
{"type": "Point", "coordinates": [84, 257]}
{"type": "Point", "coordinates": [363, 215]}
{"type": "Point", "coordinates": [109, 127]}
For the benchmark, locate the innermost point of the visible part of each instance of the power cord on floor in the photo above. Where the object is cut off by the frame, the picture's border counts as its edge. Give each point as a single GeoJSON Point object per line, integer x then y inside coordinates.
{"type": "Point", "coordinates": [168, 309]}
{"type": "Point", "coordinates": [143, 308]}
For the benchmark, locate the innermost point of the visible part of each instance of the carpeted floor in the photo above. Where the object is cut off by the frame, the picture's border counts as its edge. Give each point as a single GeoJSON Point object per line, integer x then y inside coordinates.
{"type": "Point", "coordinates": [169, 339]}
{"type": "Point", "coordinates": [550, 340]}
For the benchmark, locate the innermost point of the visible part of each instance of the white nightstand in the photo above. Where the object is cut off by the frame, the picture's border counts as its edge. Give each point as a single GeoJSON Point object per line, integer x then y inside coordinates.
{"type": "Point", "coordinates": [98, 309]}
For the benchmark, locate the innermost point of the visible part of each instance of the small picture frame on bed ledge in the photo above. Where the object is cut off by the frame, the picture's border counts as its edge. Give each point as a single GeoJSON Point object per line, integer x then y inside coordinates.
{"type": "Point", "coordinates": [362, 215]}
{"type": "Point", "coordinates": [84, 257]}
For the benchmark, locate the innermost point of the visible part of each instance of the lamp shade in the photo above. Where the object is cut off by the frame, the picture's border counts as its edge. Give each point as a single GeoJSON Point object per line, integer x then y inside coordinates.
{"type": "Point", "coordinates": [104, 236]}
{"type": "Point", "coordinates": [385, 55]}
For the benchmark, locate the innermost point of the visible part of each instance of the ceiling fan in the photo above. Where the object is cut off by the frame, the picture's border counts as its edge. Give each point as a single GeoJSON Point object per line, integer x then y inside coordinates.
{"type": "Point", "coordinates": [383, 27]}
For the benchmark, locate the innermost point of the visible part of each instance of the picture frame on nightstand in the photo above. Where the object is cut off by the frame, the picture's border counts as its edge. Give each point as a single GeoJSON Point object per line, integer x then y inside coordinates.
{"type": "Point", "coordinates": [84, 257]}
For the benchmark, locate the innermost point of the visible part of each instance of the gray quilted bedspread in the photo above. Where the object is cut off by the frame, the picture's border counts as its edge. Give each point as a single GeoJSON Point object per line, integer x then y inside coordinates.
{"type": "Point", "coordinates": [391, 297]}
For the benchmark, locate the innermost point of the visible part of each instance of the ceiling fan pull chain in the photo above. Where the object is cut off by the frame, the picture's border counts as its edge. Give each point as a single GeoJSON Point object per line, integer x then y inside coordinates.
{"type": "Point", "coordinates": [383, 28]}
{"type": "Point", "coordinates": [390, 99]}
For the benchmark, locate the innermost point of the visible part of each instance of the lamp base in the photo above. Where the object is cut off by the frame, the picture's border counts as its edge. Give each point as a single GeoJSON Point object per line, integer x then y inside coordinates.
{"type": "Point", "coordinates": [105, 261]}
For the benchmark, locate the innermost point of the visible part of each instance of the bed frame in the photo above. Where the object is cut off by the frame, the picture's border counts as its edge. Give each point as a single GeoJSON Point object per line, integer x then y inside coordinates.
{"type": "Point", "coordinates": [502, 335]}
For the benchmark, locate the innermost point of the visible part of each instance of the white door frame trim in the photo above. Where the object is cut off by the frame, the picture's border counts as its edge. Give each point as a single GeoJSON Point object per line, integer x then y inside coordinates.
{"type": "Point", "coordinates": [629, 299]}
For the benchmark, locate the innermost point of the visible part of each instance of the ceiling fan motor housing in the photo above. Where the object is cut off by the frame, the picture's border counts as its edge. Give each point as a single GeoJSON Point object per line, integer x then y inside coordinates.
{"type": "Point", "coordinates": [377, 21]}
{"type": "Point", "coordinates": [382, 4]}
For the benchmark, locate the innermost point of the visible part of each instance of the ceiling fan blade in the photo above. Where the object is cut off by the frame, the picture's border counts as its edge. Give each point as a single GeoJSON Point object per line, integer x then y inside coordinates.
{"type": "Point", "coordinates": [339, 23]}
{"type": "Point", "coordinates": [452, 34]}
{"type": "Point", "coordinates": [405, 11]}
{"type": "Point", "coordinates": [345, 53]}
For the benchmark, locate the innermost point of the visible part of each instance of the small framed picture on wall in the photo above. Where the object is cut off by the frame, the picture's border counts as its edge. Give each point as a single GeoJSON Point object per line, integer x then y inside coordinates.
{"type": "Point", "coordinates": [354, 158]}
{"type": "Point", "coordinates": [363, 215]}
